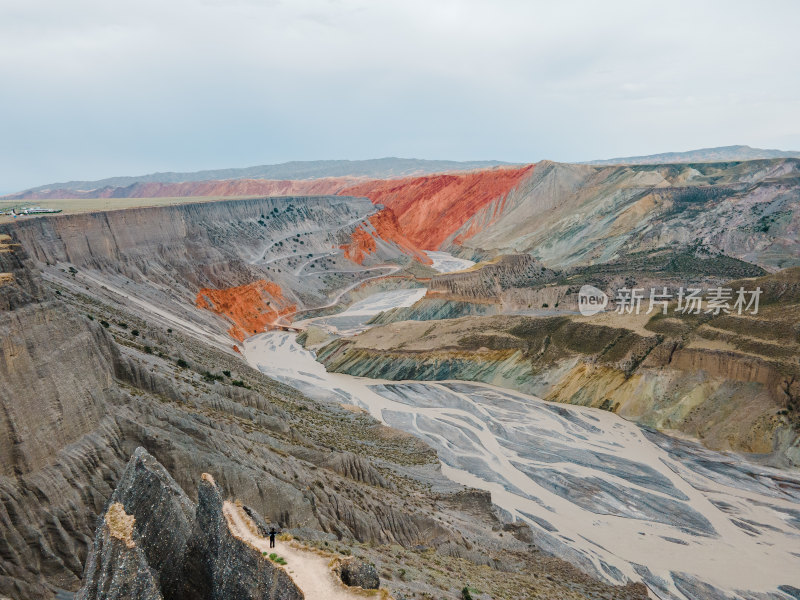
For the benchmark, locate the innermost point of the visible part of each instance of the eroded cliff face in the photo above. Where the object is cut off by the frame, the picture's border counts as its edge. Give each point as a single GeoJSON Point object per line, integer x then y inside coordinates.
{"type": "Point", "coordinates": [61, 361]}
{"type": "Point", "coordinates": [56, 369]}
{"type": "Point", "coordinates": [193, 246]}
{"type": "Point", "coordinates": [64, 364]}
{"type": "Point", "coordinates": [275, 253]}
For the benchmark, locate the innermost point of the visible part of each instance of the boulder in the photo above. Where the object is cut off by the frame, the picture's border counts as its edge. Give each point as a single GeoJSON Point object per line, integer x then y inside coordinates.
{"type": "Point", "coordinates": [357, 573]}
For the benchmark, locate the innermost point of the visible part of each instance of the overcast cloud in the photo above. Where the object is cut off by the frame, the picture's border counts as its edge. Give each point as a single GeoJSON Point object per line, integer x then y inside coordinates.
{"type": "Point", "coordinates": [97, 88]}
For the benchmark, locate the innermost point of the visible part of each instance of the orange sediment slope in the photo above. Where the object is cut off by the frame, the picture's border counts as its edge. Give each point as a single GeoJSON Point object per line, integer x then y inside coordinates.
{"type": "Point", "coordinates": [361, 244]}
{"type": "Point", "coordinates": [431, 208]}
{"type": "Point", "coordinates": [383, 224]}
{"type": "Point", "coordinates": [253, 308]}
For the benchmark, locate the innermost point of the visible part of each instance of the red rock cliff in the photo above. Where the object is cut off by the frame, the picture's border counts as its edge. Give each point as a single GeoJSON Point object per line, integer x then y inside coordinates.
{"type": "Point", "coordinates": [253, 308]}
{"type": "Point", "coordinates": [382, 225]}
{"type": "Point", "coordinates": [431, 208]}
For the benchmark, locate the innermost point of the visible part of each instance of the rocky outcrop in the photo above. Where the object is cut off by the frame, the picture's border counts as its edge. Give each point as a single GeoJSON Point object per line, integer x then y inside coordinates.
{"type": "Point", "coordinates": [117, 568]}
{"type": "Point", "coordinates": [162, 514]}
{"type": "Point", "coordinates": [152, 543]}
{"type": "Point", "coordinates": [357, 573]}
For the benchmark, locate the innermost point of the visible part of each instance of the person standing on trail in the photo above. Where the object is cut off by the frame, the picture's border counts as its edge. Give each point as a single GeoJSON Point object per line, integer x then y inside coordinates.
{"type": "Point", "coordinates": [272, 533]}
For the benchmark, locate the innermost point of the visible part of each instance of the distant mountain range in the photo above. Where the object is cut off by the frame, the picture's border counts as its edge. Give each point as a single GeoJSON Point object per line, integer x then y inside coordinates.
{"type": "Point", "coordinates": [376, 168]}
{"type": "Point", "coordinates": [306, 172]}
{"type": "Point", "coordinates": [719, 154]}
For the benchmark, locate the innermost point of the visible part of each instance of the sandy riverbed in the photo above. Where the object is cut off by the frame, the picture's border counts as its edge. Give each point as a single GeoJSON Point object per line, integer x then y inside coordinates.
{"type": "Point", "coordinates": [621, 502]}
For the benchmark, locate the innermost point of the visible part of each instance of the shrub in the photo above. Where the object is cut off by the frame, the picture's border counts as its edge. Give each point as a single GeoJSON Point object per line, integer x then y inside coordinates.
{"type": "Point", "coordinates": [182, 363]}
{"type": "Point", "coordinates": [465, 595]}
{"type": "Point", "coordinates": [135, 333]}
{"type": "Point", "coordinates": [226, 373]}
{"type": "Point", "coordinates": [148, 350]}
{"type": "Point", "coordinates": [104, 324]}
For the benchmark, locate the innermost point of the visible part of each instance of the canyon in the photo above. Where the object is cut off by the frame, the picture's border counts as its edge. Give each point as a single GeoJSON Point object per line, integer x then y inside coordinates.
{"type": "Point", "coordinates": [397, 368]}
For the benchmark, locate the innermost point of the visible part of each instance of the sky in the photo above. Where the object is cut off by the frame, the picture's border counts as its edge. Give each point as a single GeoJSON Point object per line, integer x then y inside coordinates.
{"type": "Point", "coordinates": [93, 88]}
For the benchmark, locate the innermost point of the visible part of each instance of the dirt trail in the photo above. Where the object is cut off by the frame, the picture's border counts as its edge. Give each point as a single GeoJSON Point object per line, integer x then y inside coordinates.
{"type": "Point", "coordinates": [309, 570]}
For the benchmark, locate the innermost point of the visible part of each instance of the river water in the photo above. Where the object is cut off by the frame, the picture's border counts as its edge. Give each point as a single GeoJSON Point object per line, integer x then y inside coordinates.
{"type": "Point", "coordinates": [619, 501]}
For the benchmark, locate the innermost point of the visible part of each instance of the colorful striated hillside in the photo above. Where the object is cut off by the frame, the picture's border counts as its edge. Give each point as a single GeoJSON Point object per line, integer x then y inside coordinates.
{"type": "Point", "coordinates": [431, 208]}
{"type": "Point", "coordinates": [253, 308]}
{"type": "Point", "coordinates": [382, 225]}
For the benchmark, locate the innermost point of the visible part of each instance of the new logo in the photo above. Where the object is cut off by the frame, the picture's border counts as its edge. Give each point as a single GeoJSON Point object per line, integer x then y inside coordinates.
{"type": "Point", "coordinates": [591, 300]}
